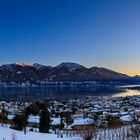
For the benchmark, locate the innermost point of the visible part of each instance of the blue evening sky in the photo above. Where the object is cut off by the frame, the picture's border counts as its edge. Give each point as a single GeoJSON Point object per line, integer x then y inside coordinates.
{"type": "Point", "coordinates": [90, 32]}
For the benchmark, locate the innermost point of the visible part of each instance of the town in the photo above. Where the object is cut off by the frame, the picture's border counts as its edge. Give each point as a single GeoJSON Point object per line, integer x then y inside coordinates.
{"type": "Point", "coordinates": [71, 117]}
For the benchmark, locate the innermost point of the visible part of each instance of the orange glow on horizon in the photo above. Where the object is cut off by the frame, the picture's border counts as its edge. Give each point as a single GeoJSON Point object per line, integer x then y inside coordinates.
{"type": "Point", "coordinates": [130, 73]}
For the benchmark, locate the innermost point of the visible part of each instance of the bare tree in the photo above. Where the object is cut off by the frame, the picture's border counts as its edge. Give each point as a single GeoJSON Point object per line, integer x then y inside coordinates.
{"type": "Point", "coordinates": [89, 134]}
{"type": "Point", "coordinates": [135, 131]}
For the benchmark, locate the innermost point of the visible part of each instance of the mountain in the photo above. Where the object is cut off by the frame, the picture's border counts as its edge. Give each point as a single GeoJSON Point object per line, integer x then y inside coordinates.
{"type": "Point", "coordinates": [137, 76]}
{"type": "Point", "coordinates": [68, 72]}
{"type": "Point", "coordinates": [71, 67]}
{"type": "Point", "coordinates": [103, 73]}
{"type": "Point", "coordinates": [38, 66]}
{"type": "Point", "coordinates": [18, 73]}
{"type": "Point", "coordinates": [75, 72]}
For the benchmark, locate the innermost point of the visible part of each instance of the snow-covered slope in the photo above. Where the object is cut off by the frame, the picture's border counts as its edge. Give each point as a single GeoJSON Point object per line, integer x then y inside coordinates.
{"type": "Point", "coordinates": [38, 66]}
{"type": "Point", "coordinates": [8, 134]}
{"type": "Point", "coordinates": [70, 66]}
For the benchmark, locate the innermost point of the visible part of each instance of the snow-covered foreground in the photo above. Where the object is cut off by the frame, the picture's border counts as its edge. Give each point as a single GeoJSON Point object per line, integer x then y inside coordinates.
{"type": "Point", "coordinates": [8, 134]}
{"type": "Point", "coordinates": [128, 132]}
{"type": "Point", "coordinates": [123, 133]}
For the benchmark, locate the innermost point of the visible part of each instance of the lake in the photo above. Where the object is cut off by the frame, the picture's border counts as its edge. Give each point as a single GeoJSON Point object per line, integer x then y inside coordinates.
{"type": "Point", "coordinates": [30, 94]}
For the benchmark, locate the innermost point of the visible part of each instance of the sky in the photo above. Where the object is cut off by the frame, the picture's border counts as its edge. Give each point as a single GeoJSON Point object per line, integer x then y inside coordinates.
{"type": "Point", "coordinates": [104, 33]}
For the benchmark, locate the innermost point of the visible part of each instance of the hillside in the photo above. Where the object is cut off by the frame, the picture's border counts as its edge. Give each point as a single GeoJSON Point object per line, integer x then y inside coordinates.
{"type": "Point", "coordinates": [37, 74]}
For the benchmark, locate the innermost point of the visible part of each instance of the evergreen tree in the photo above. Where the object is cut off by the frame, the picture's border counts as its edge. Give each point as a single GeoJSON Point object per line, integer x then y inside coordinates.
{"type": "Point", "coordinates": [20, 122]}
{"type": "Point", "coordinates": [61, 121]}
{"type": "Point", "coordinates": [3, 117]}
{"type": "Point", "coordinates": [44, 124]}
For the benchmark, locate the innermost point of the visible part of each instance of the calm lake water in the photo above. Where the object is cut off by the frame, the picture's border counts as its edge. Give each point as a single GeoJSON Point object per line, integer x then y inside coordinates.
{"type": "Point", "coordinates": [30, 94]}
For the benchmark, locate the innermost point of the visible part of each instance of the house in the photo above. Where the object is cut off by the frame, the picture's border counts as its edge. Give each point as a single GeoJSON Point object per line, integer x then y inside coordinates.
{"type": "Point", "coordinates": [82, 123]}
{"type": "Point", "coordinates": [33, 121]}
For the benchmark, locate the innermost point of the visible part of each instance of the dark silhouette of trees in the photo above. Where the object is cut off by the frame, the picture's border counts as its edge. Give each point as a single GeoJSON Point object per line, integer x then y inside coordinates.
{"type": "Point", "coordinates": [20, 122]}
{"type": "Point", "coordinates": [88, 134]}
{"type": "Point", "coordinates": [44, 124]}
{"type": "Point", "coordinates": [32, 109]}
{"type": "Point", "coordinates": [114, 122]}
{"type": "Point", "coordinates": [134, 132]}
{"type": "Point", "coordinates": [61, 121]}
{"type": "Point", "coordinates": [3, 117]}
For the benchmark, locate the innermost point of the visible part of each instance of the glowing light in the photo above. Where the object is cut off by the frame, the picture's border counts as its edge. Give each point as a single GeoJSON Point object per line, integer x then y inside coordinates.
{"type": "Point", "coordinates": [24, 65]}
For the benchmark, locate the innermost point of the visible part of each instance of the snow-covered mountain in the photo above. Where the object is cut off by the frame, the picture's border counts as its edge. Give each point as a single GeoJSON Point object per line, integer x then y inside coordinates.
{"type": "Point", "coordinates": [38, 66]}
{"type": "Point", "coordinates": [103, 73]}
{"type": "Point", "coordinates": [67, 71]}
{"type": "Point", "coordinates": [71, 67]}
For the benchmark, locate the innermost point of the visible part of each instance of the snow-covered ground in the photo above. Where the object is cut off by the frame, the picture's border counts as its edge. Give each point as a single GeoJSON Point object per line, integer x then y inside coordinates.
{"type": "Point", "coordinates": [128, 132]}
{"type": "Point", "coordinates": [8, 134]}
{"type": "Point", "coordinates": [123, 133]}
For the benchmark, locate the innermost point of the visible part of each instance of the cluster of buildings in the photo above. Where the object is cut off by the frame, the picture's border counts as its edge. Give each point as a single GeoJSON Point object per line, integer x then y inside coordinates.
{"type": "Point", "coordinates": [80, 113]}
{"type": "Point", "coordinates": [51, 83]}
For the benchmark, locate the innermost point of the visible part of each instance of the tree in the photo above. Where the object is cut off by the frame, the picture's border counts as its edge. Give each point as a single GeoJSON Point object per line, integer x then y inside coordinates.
{"type": "Point", "coordinates": [89, 134]}
{"type": "Point", "coordinates": [20, 122]}
{"type": "Point", "coordinates": [135, 131]}
{"type": "Point", "coordinates": [44, 124]}
{"type": "Point", "coordinates": [32, 109]}
{"type": "Point", "coordinates": [69, 119]}
{"type": "Point", "coordinates": [3, 117]}
{"type": "Point", "coordinates": [61, 121]}
{"type": "Point", "coordinates": [114, 122]}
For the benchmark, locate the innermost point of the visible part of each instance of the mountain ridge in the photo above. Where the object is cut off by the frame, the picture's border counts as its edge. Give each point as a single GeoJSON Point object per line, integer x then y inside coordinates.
{"type": "Point", "coordinates": [38, 66]}
{"type": "Point", "coordinates": [66, 71]}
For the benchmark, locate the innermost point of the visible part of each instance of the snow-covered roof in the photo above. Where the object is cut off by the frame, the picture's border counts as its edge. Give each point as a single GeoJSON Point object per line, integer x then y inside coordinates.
{"type": "Point", "coordinates": [33, 119]}
{"type": "Point", "coordinates": [126, 118]}
{"type": "Point", "coordinates": [124, 113]}
{"type": "Point", "coordinates": [55, 121]}
{"type": "Point", "coordinates": [96, 111]}
{"type": "Point", "coordinates": [10, 117]}
{"type": "Point", "coordinates": [114, 114]}
{"type": "Point", "coordinates": [82, 121]}
{"type": "Point", "coordinates": [137, 111]}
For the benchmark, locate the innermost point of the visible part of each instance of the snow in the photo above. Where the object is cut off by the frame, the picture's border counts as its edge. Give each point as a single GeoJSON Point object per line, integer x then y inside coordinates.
{"type": "Point", "coordinates": [38, 66]}
{"type": "Point", "coordinates": [114, 114]}
{"type": "Point", "coordinates": [18, 72]}
{"type": "Point", "coordinates": [70, 66]}
{"type": "Point", "coordinates": [126, 118]}
{"type": "Point", "coordinates": [56, 121]}
{"type": "Point", "coordinates": [7, 134]}
{"type": "Point", "coordinates": [123, 113]}
{"type": "Point", "coordinates": [33, 119]}
{"type": "Point", "coordinates": [101, 134]}
{"type": "Point", "coordinates": [82, 121]}
{"type": "Point", "coordinates": [10, 117]}
{"type": "Point", "coordinates": [36, 119]}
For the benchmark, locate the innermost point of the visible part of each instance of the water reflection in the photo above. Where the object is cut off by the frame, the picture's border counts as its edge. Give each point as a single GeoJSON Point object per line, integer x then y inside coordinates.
{"type": "Point", "coordinates": [127, 93]}
{"type": "Point", "coordinates": [30, 94]}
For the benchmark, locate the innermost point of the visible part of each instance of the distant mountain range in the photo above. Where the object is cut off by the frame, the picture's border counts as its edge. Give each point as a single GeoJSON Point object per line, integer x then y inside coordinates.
{"type": "Point", "coordinates": [32, 73]}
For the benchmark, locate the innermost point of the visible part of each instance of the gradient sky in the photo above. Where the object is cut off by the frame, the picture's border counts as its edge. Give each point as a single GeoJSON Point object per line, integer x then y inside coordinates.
{"type": "Point", "coordinates": [90, 32]}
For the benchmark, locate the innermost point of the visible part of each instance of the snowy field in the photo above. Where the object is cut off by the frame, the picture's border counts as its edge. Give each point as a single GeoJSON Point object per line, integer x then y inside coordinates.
{"type": "Point", "coordinates": [10, 134]}
{"type": "Point", "coordinates": [123, 133]}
